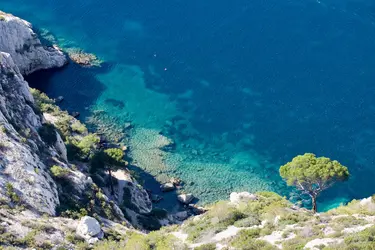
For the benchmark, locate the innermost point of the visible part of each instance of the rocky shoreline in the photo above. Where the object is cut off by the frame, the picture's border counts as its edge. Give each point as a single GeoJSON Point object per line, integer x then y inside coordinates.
{"type": "Point", "coordinates": [63, 187]}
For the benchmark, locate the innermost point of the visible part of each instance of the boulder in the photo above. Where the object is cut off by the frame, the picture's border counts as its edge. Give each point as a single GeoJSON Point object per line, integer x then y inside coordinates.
{"type": "Point", "coordinates": [176, 181]}
{"type": "Point", "coordinates": [236, 198]}
{"type": "Point", "coordinates": [182, 215]}
{"type": "Point", "coordinates": [197, 210]}
{"type": "Point", "coordinates": [156, 198]}
{"type": "Point", "coordinates": [88, 227]}
{"type": "Point", "coordinates": [185, 198]}
{"type": "Point", "coordinates": [167, 187]}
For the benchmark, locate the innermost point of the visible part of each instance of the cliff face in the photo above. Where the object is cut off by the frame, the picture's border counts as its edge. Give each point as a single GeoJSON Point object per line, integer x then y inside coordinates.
{"type": "Point", "coordinates": [25, 158]}
{"type": "Point", "coordinates": [18, 39]}
{"type": "Point", "coordinates": [23, 173]}
{"type": "Point", "coordinates": [29, 159]}
{"type": "Point", "coordinates": [21, 166]}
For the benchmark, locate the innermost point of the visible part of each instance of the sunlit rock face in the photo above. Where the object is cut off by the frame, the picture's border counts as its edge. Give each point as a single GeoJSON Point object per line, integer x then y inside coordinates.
{"type": "Point", "coordinates": [20, 161]}
{"type": "Point", "coordinates": [19, 40]}
{"type": "Point", "coordinates": [22, 168]}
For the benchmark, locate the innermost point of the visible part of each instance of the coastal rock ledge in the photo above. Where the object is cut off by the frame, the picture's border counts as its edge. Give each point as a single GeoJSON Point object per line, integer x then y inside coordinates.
{"type": "Point", "coordinates": [19, 40]}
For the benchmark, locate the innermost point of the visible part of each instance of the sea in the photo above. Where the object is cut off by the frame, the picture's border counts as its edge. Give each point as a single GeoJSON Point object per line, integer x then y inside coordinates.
{"type": "Point", "coordinates": [220, 93]}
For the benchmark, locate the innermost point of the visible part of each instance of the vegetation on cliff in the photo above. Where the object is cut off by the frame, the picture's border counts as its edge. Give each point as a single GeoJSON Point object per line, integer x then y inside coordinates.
{"type": "Point", "coordinates": [312, 175]}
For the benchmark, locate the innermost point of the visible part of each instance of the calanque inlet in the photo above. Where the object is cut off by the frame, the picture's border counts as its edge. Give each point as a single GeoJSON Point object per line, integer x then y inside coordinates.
{"type": "Point", "coordinates": [64, 187]}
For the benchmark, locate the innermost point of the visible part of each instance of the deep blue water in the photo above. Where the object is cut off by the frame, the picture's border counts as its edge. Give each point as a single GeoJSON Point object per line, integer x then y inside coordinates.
{"type": "Point", "coordinates": [265, 79]}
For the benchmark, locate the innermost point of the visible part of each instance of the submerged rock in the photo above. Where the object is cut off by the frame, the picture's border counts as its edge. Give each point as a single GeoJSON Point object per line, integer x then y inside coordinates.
{"type": "Point", "coordinates": [59, 99]}
{"type": "Point", "coordinates": [82, 58]}
{"type": "Point", "coordinates": [156, 198]}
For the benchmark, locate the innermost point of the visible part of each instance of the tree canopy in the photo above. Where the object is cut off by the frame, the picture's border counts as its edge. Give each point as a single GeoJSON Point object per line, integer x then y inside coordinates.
{"type": "Point", "coordinates": [110, 159]}
{"type": "Point", "coordinates": [114, 157]}
{"type": "Point", "coordinates": [312, 175]}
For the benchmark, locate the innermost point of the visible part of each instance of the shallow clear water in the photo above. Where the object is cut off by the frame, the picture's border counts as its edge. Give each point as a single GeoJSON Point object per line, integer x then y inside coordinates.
{"type": "Point", "coordinates": [240, 87]}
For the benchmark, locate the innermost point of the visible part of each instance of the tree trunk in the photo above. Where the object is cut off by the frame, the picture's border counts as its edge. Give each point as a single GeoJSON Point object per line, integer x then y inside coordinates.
{"type": "Point", "coordinates": [110, 181]}
{"type": "Point", "coordinates": [314, 208]}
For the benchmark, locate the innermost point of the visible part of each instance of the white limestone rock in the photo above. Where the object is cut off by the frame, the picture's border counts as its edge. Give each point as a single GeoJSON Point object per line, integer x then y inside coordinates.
{"type": "Point", "coordinates": [61, 148]}
{"type": "Point", "coordinates": [167, 187]}
{"type": "Point", "coordinates": [19, 40]}
{"type": "Point", "coordinates": [88, 227]}
{"type": "Point", "coordinates": [317, 243]}
{"type": "Point", "coordinates": [185, 198]}
{"type": "Point", "coordinates": [20, 163]}
{"type": "Point", "coordinates": [139, 196]}
{"type": "Point", "coordinates": [236, 198]}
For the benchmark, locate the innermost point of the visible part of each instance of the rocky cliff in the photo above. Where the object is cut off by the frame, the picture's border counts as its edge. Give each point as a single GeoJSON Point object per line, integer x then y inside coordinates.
{"type": "Point", "coordinates": [35, 171]}
{"type": "Point", "coordinates": [20, 157]}
{"type": "Point", "coordinates": [56, 194]}
{"type": "Point", "coordinates": [18, 39]}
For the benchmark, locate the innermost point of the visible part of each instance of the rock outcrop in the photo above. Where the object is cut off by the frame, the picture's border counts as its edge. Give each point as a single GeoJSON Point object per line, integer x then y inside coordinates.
{"type": "Point", "coordinates": [19, 40]}
{"type": "Point", "coordinates": [24, 176]}
{"type": "Point", "coordinates": [28, 160]}
{"type": "Point", "coordinates": [167, 187]}
{"type": "Point", "coordinates": [237, 198]}
{"type": "Point", "coordinates": [185, 198]}
{"type": "Point", "coordinates": [89, 229]}
{"type": "Point", "coordinates": [21, 165]}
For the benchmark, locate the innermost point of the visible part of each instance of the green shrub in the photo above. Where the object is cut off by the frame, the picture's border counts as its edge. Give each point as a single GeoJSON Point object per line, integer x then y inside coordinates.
{"type": "Point", "coordinates": [367, 235]}
{"type": "Point", "coordinates": [245, 242]}
{"type": "Point", "coordinates": [11, 193]}
{"type": "Point", "coordinates": [59, 172]}
{"type": "Point", "coordinates": [43, 102]}
{"type": "Point", "coordinates": [88, 143]}
{"type": "Point", "coordinates": [210, 246]}
{"type": "Point", "coordinates": [74, 238]}
{"type": "Point", "coordinates": [293, 218]}
{"type": "Point", "coordinates": [63, 124]}
{"type": "Point", "coordinates": [353, 207]}
{"type": "Point", "coordinates": [83, 148]}
{"type": "Point", "coordinates": [247, 222]}
{"type": "Point", "coordinates": [137, 241]}
{"type": "Point", "coordinates": [361, 240]}
{"type": "Point", "coordinates": [160, 241]}
{"type": "Point", "coordinates": [341, 223]}
{"type": "Point", "coordinates": [109, 245]}
{"type": "Point", "coordinates": [297, 243]}
{"type": "Point", "coordinates": [78, 127]}
{"type": "Point", "coordinates": [48, 133]}
{"type": "Point", "coordinates": [225, 214]}
{"type": "Point", "coordinates": [3, 129]}
{"type": "Point", "coordinates": [112, 234]}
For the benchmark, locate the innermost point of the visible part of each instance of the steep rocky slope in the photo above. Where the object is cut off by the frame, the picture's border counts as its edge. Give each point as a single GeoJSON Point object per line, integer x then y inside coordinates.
{"type": "Point", "coordinates": [21, 146]}
{"type": "Point", "coordinates": [18, 39]}
{"type": "Point", "coordinates": [35, 174]}
{"type": "Point", "coordinates": [55, 192]}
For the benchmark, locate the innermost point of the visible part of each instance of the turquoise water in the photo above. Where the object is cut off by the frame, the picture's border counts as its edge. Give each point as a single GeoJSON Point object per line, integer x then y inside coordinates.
{"type": "Point", "coordinates": [240, 87]}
